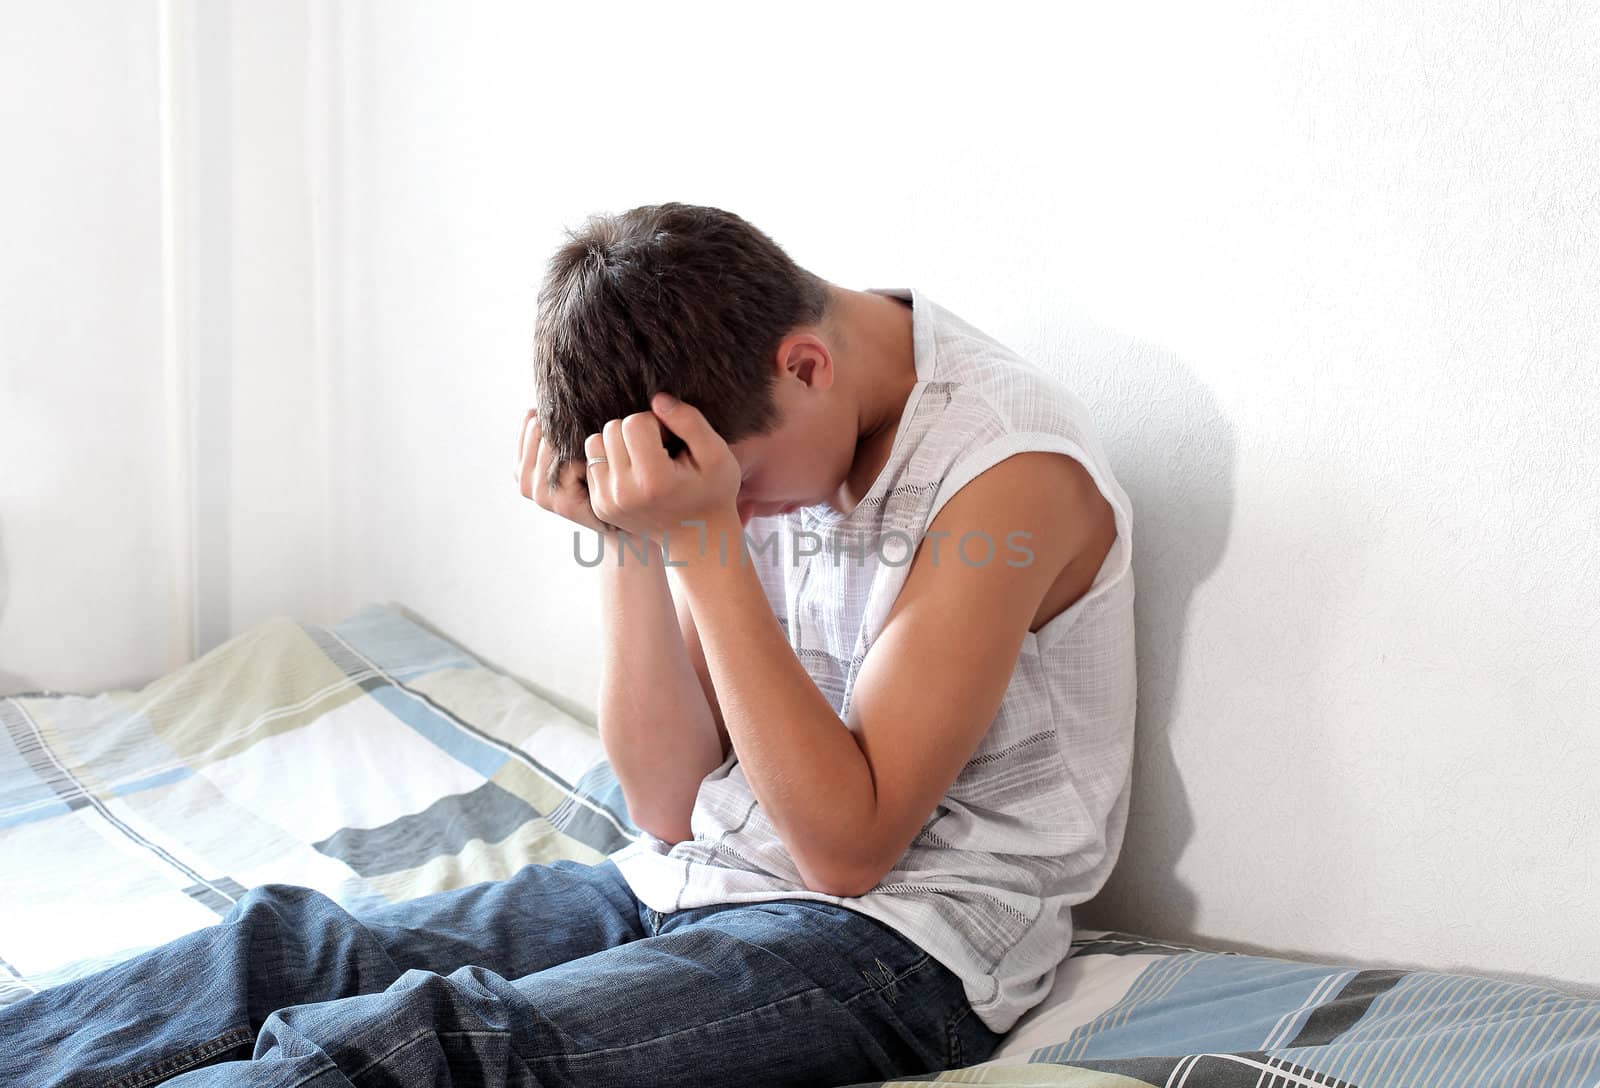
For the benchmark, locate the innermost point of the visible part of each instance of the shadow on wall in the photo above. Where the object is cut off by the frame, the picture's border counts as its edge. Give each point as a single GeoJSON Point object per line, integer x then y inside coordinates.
{"type": "Point", "coordinates": [1174, 452]}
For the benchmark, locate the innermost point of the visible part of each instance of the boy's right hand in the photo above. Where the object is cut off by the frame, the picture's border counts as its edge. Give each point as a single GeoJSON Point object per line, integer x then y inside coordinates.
{"type": "Point", "coordinates": [571, 497]}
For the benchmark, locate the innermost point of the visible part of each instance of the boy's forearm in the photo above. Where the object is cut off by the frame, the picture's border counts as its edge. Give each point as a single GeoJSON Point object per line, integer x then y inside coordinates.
{"type": "Point", "coordinates": [655, 722]}
{"type": "Point", "coordinates": [804, 765]}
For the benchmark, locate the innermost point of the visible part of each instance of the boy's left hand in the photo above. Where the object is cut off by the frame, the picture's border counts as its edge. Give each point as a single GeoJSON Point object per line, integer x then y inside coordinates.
{"type": "Point", "coordinates": [641, 489]}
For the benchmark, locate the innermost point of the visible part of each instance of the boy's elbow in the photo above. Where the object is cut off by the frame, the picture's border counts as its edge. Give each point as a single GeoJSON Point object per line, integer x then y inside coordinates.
{"type": "Point", "coordinates": [845, 880]}
{"type": "Point", "coordinates": [670, 831]}
{"type": "Point", "coordinates": [850, 887]}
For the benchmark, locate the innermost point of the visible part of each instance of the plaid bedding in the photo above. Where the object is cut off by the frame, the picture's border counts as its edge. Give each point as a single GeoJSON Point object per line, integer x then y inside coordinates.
{"type": "Point", "coordinates": [374, 762]}
{"type": "Point", "coordinates": [370, 760]}
{"type": "Point", "coordinates": [1137, 1012]}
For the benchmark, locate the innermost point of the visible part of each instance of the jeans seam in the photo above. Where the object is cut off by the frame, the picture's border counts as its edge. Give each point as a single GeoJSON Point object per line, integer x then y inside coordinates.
{"type": "Point", "coordinates": [953, 1038]}
{"type": "Point", "coordinates": [574, 1056]}
{"type": "Point", "coordinates": [425, 1033]}
{"type": "Point", "coordinates": [313, 1075]}
{"type": "Point", "coordinates": [692, 1027]}
{"type": "Point", "coordinates": [173, 1064]}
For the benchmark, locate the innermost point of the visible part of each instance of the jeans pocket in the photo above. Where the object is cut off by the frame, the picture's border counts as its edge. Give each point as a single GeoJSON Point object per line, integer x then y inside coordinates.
{"type": "Point", "coordinates": [889, 978]}
{"type": "Point", "coordinates": [931, 1001]}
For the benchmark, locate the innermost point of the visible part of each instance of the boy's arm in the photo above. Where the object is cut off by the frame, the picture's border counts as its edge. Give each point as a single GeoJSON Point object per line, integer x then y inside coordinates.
{"type": "Point", "coordinates": [659, 733]}
{"type": "Point", "coordinates": [933, 681]}
{"type": "Point", "coordinates": [847, 802]}
{"type": "Point", "coordinates": [697, 659]}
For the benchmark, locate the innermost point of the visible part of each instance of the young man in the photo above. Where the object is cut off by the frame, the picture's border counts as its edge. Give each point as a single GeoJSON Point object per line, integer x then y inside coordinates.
{"type": "Point", "coordinates": [898, 675]}
{"type": "Point", "coordinates": [879, 742]}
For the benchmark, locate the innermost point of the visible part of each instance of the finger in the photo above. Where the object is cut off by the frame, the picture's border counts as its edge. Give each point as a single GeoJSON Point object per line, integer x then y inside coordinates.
{"type": "Point", "coordinates": [599, 480]}
{"type": "Point", "coordinates": [528, 423]}
{"type": "Point", "coordinates": [568, 496]}
{"type": "Point", "coordinates": [573, 500]}
{"type": "Point", "coordinates": [685, 421]}
{"type": "Point", "coordinates": [522, 439]}
{"type": "Point", "coordinates": [595, 446]}
{"type": "Point", "coordinates": [554, 468]}
{"type": "Point", "coordinates": [616, 451]}
{"type": "Point", "coordinates": [642, 434]}
{"type": "Point", "coordinates": [595, 471]}
{"type": "Point", "coordinates": [536, 476]}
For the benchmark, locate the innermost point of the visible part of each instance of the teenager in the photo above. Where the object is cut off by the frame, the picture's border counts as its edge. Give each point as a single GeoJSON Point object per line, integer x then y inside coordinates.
{"type": "Point", "coordinates": [878, 741]}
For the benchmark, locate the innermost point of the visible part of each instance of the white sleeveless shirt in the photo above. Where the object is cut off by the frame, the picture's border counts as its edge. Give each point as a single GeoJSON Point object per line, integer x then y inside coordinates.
{"type": "Point", "coordinates": [1034, 822]}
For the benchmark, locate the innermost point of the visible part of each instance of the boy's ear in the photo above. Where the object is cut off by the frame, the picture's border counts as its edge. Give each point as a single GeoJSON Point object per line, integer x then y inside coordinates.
{"type": "Point", "coordinates": [806, 357]}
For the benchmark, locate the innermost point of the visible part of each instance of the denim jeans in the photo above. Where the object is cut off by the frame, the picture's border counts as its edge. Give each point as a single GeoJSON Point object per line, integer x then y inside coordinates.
{"type": "Point", "coordinates": [556, 975]}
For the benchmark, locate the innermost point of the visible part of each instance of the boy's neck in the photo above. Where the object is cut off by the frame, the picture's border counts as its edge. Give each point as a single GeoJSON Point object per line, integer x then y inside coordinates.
{"type": "Point", "coordinates": [880, 363]}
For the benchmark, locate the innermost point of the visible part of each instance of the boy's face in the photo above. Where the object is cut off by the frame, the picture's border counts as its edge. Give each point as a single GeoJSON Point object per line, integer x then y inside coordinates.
{"type": "Point", "coordinates": [801, 462]}
{"type": "Point", "coordinates": [805, 458]}
{"type": "Point", "coordinates": [780, 474]}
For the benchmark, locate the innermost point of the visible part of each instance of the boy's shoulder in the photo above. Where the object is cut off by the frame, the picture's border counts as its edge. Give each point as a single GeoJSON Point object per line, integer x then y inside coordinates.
{"type": "Point", "coordinates": [993, 388]}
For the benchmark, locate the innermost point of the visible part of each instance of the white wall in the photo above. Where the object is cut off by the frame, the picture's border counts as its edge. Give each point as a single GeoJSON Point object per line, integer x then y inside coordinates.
{"type": "Point", "coordinates": [260, 401]}
{"type": "Point", "coordinates": [86, 547]}
{"type": "Point", "coordinates": [1326, 279]}
{"type": "Point", "coordinates": [163, 432]}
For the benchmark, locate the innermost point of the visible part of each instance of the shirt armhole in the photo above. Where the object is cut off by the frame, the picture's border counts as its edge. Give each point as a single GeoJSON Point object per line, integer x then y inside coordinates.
{"type": "Point", "coordinates": [985, 457]}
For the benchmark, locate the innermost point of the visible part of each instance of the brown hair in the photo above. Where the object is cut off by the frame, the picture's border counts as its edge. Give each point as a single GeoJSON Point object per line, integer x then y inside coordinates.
{"type": "Point", "coordinates": [674, 298]}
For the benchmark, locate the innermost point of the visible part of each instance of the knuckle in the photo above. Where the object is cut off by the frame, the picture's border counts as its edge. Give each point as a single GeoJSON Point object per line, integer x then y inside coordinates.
{"type": "Point", "coordinates": [640, 425]}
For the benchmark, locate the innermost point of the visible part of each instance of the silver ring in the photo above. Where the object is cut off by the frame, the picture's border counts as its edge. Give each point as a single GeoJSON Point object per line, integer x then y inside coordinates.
{"type": "Point", "coordinates": [598, 461]}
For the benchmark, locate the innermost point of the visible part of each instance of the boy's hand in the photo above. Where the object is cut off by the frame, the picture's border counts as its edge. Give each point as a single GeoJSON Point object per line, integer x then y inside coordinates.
{"type": "Point", "coordinates": [571, 497]}
{"type": "Point", "coordinates": [641, 489]}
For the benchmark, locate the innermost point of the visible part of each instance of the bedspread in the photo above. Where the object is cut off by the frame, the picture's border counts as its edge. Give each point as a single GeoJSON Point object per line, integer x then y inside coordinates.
{"type": "Point", "coordinates": [370, 760]}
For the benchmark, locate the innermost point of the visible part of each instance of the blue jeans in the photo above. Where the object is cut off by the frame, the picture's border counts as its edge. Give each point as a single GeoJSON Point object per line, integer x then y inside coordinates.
{"type": "Point", "coordinates": [556, 975]}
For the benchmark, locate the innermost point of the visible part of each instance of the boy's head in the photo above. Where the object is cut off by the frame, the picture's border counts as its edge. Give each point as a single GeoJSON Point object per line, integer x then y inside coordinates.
{"type": "Point", "coordinates": [675, 298]}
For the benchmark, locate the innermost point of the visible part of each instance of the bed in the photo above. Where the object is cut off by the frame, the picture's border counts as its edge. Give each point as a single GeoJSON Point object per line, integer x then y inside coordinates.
{"type": "Point", "coordinates": [376, 761]}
